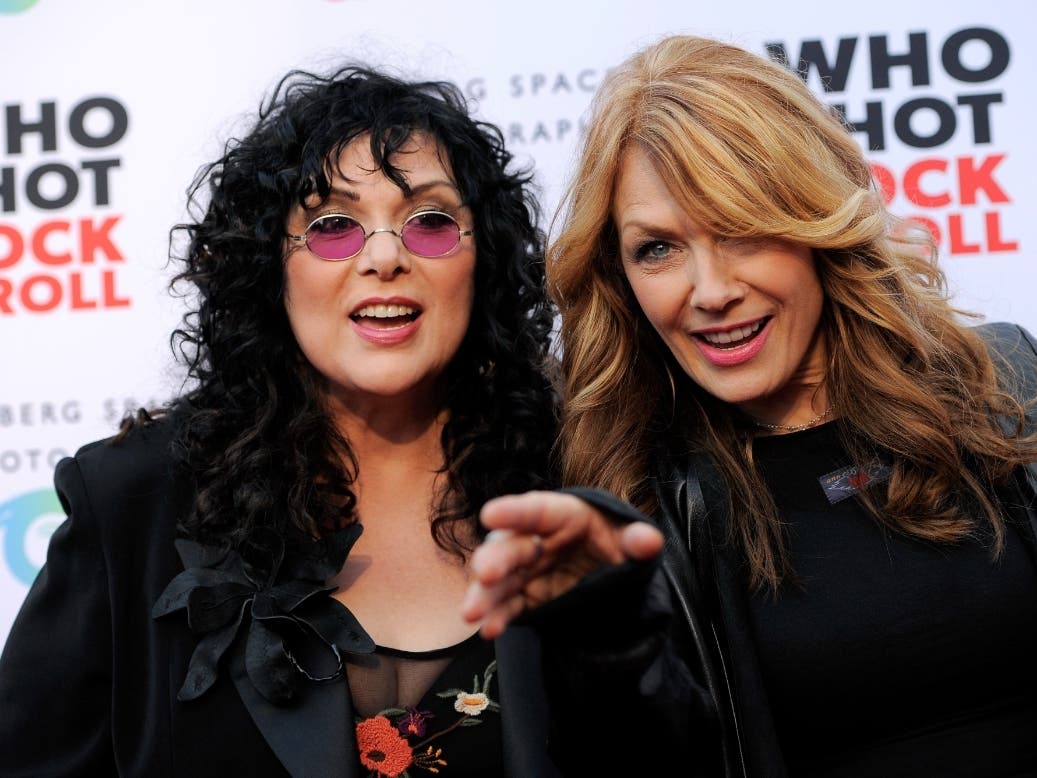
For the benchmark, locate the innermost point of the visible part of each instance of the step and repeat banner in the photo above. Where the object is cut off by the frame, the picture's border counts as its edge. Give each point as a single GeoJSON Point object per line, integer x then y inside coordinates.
{"type": "Point", "coordinates": [108, 108]}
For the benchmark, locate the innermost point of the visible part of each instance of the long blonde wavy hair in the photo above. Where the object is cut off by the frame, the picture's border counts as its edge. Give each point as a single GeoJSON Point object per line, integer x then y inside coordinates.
{"type": "Point", "coordinates": [746, 147]}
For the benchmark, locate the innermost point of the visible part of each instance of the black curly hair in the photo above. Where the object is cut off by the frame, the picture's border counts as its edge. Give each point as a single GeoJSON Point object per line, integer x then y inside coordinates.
{"type": "Point", "coordinates": [254, 434]}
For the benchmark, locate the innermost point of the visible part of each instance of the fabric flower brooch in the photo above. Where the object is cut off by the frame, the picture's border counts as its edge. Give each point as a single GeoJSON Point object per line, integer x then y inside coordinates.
{"type": "Point", "coordinates": [284, 606]}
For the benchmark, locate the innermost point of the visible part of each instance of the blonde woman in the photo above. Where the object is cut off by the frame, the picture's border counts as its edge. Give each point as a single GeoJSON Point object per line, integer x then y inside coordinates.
{"type": "Point", "coordinates": [763, 360]}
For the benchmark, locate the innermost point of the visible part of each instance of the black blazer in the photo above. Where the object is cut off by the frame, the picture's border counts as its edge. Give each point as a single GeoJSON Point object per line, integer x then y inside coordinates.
{"type": "Point", "coordinates": [88, 679]}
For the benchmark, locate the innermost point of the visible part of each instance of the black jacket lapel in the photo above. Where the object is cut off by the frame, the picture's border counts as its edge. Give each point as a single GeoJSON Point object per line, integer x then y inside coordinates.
{"type": "Point", "coordinates": [523, 704]}
{"type": "Point", "coordinates": [315, 736]}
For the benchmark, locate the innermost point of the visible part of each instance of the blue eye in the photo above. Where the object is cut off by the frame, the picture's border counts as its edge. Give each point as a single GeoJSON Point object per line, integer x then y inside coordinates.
{"type": "Point", "coordinates": [652, 251]}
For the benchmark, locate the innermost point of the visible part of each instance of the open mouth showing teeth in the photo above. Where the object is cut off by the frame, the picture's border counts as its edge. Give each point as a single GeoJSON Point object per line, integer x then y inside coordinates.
{"type": "Point", "coordinates": [385, 316]}
{"type": "Point", "coordinates": [733, 338]}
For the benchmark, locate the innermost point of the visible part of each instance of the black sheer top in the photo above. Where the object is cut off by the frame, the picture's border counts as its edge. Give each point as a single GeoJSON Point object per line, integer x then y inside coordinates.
{"type": "Point", "coordinates": [430, 713]}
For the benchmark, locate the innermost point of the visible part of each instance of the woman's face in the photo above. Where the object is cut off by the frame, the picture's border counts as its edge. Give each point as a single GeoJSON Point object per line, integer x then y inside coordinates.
{"type": "Point", "coordinates": [740, 316]}
{"type": "Point", "coordinates": [384, 324]}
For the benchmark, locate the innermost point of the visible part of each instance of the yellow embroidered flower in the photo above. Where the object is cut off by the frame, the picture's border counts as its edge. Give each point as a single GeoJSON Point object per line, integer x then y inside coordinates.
{"type": "Point", "coordinates": [471, 703]}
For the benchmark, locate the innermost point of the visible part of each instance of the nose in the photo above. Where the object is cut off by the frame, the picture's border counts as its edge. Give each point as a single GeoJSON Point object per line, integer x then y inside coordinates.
{"type": "Point", "coordinates": [714, 285]}
{"type": "Point", "coordinates": [383, 255]}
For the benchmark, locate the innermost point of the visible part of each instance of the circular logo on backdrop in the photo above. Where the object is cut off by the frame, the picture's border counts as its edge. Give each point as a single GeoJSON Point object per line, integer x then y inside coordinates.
{"type": "Point", "coordinates": [16, 6]}
{"type": "Point", "coordinates": [26, 523]}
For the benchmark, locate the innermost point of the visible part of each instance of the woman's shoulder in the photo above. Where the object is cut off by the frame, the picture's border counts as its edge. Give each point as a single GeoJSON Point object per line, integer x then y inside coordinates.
{"type": "Point", "coordinates": [140, 456]}
{"type": "Point", "coordinates": [126, 494]}
{"type": "Point", "coordinates": [1014, 351]}
{"type": "Point", "coordinates": [1001, 335]}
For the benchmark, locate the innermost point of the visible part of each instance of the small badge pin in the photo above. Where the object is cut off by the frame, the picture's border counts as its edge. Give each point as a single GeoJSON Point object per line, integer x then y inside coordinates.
{"type": "Point", "coordinates": [846, 482]}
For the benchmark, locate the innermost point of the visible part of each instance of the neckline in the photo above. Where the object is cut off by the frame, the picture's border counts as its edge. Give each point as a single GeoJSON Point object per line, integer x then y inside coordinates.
{"type": "Point", "coordinates": [433, 653]}
{"type": "Point", "coordinates": [778, 429]}
{"type": "Point", "coordinates": [800, 435]}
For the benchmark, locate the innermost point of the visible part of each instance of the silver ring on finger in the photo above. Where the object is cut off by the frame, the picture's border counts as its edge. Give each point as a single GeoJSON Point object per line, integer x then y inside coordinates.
{"type": "Point", "coordinates": [538, 548]}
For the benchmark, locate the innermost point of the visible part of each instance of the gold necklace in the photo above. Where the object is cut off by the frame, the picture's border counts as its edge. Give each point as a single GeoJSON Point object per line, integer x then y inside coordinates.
{"type": "Point", "coordinates": [794, 427]}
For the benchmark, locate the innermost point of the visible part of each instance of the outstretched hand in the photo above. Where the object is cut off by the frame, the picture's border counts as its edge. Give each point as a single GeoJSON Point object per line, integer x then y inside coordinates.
{"type": "Point", "coordinates": [540, 545]}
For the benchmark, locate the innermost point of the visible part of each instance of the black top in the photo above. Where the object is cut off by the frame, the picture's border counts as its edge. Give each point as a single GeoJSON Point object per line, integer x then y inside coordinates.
{"type": "Point", "coordinates": [891, 656]}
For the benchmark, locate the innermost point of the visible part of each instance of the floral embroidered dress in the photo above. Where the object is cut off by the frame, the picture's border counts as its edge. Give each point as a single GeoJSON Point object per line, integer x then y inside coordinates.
{"type": "Point", "coordinates": [417, 713]}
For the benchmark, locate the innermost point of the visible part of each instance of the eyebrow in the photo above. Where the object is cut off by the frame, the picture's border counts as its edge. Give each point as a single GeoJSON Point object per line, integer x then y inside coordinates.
{"type": "Point", "coordinates": [415, 191]}
{"type": "Point", "coordinates": [435, 184]}
{"type": "Point", "coordinates": [348, 194]}
{"type": "Point", "coordinates": [663, 229]}
{"type": "Point", "coordinates": [643, 228]}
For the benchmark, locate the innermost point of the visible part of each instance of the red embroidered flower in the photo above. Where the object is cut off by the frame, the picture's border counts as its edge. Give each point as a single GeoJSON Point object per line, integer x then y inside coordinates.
{"type": "Point", "coordinates": [414, 722]}
{"type": "Point", "coordinates": [381, 747]}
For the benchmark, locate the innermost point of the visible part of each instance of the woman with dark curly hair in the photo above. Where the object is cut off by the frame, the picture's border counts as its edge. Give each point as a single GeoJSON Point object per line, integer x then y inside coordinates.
{"type": "Point", "coordinates": [265, 577]}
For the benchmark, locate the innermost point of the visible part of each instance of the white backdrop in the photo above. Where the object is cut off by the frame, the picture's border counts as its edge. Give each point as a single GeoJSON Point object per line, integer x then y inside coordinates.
{"type": "Point", "coordinates": [109, 107]}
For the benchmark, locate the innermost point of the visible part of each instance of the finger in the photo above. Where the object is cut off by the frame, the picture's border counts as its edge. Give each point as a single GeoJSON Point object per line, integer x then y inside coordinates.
{"type": "Point", "coordinates": [504, 553]}
{"type": "Point", "coordinates": [481, 600]}
{"type": "Point", "coordinates": [501, 571]}
{"type": "Point", "coordinates": [568, 525]}
{"type": "Point", "coordinates": [498, 619]}
{"type": "Point", "coordinates": [537, 552]}
{"type": "Point", "coordinates": [542, 513]}
{"type": "Point", "coordinates": [489, 589]}
{"type": "Point", "coordinates": [477, 602]}
{"type": "Point", "coordinates": [641, 541]}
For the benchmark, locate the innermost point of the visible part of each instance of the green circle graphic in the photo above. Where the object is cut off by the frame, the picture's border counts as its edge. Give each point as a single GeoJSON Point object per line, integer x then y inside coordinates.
{"type": "Point", "coordinates": [16, 6]}
{"type": "Point", "coordinates": [17, 517]}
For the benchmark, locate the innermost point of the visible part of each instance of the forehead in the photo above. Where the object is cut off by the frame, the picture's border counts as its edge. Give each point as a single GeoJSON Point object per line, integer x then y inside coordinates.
{"type": "Point", "coordinates": [420, 158]}
{"type": "Point", "coordinates": [636, 172]}
{"type": "Point", "coordinates": [639, 185]}
{"type": "Point", "coordinates": [646, 186]}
